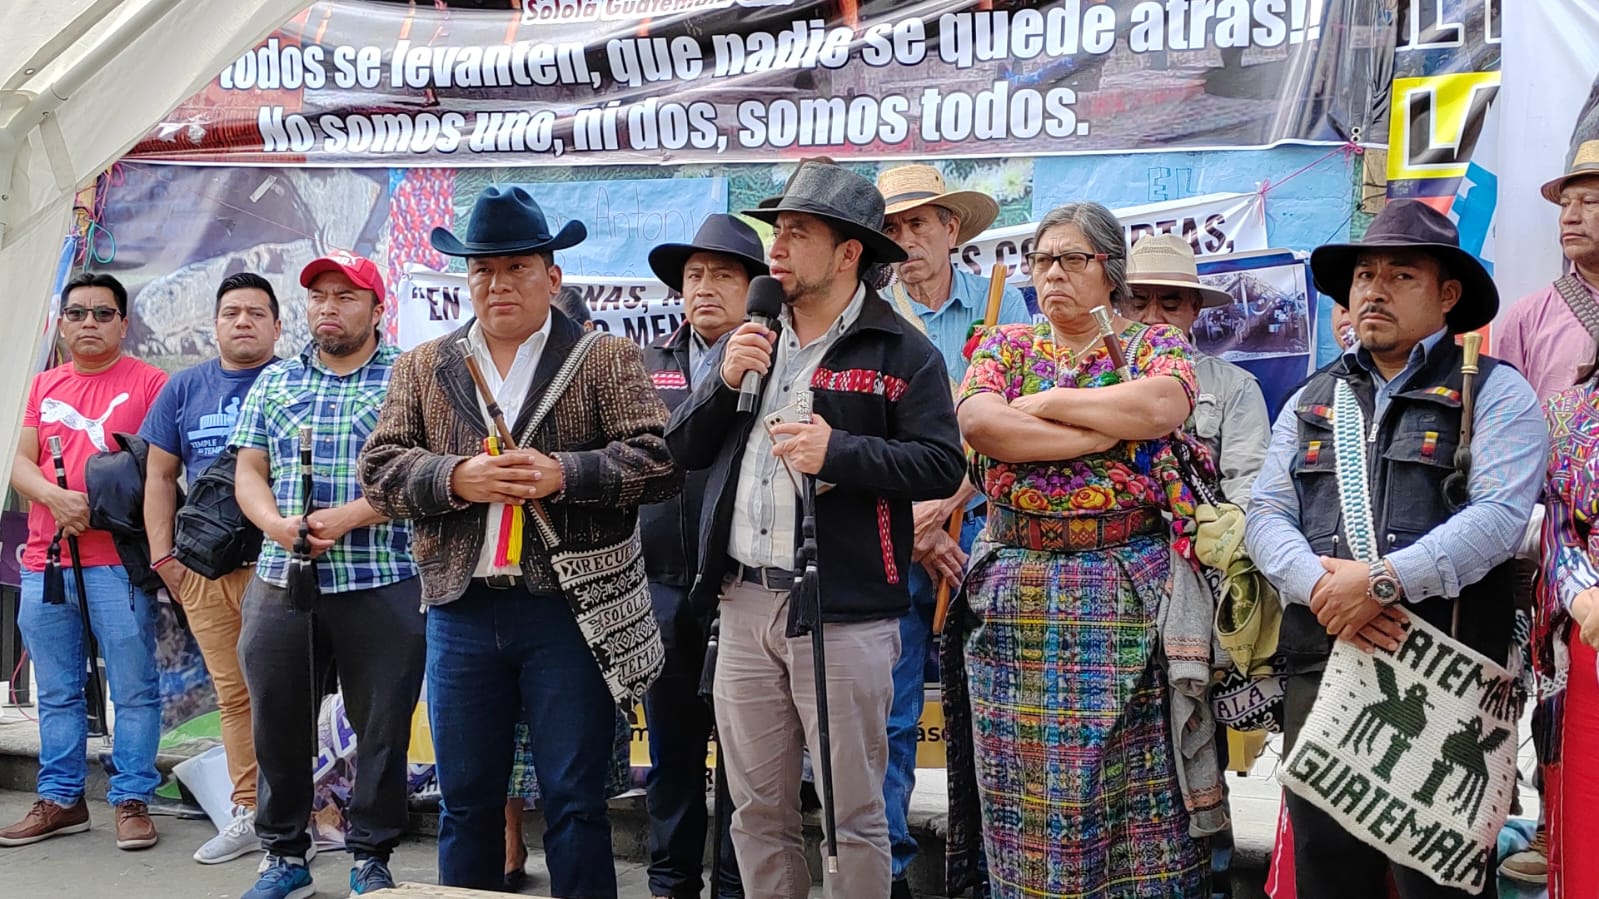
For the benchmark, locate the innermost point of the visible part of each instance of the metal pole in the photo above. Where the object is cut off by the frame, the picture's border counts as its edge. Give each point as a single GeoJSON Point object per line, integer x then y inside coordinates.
{"type": "Point", "coordinates": [94, 688]}
{"type": "Point", "coordinates": [302, 588]}
{"type": "Point", "coordinates": [719, 778]}
{"type": "Point", "coordinates": [812, 592]}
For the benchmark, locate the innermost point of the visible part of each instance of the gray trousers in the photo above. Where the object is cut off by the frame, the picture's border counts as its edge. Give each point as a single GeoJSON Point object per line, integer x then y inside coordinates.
{"type": "Point", "coordinates": [766, 718]}
{"type": "Point", "coordinates": [375, 639]}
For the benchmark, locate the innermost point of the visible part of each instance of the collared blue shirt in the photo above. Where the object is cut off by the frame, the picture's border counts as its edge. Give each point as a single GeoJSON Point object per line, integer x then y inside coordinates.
{"type": "Point", "coordinates": [950, 325]}
{"type": "Point", "coordinates": [1509, 448]}
{"type": "Point", "coordinates": [341, 410]}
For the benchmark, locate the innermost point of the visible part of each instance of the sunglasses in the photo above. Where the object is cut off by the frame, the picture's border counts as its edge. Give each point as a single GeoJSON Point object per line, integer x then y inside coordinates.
{"type": "Point", "coordinates": [102, 314]}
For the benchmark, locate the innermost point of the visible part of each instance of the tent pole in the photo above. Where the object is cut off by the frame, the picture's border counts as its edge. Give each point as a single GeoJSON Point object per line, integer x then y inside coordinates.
{"type": "Point", "coordinates": [49, 98]}
{"type": "Point", "coordinates": [8, 165]}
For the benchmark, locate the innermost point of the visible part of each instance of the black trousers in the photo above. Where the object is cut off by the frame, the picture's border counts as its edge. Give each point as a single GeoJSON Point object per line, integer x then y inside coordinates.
{"type": "Point", "coordinates": [1330, 862]}
{"type": "Point", "coordinates": [375, 639]}
{"type": "Point", "coordinates": [680, 724]}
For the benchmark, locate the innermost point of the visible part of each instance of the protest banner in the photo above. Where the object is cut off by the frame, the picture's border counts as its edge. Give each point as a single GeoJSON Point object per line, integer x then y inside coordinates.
{"type": "Point", "coordinates": [576, 82]}
{"type": "Point", "coordinates": [1444, 114]}
{"type": "Point", "coordinates": [643, 310]}
{"type": "Point", "coordinates": [432, 304]}
{"type": "Point", "coordinates": [1213, 224]}
{"type": "Point", "coordinates": [1414, 753]}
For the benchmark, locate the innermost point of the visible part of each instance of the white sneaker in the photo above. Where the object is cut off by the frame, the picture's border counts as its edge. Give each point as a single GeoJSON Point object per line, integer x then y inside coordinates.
{"type": "Point", "coordinates": [231, 842]}
{"type": "Point", "coordinates": [266, 859]}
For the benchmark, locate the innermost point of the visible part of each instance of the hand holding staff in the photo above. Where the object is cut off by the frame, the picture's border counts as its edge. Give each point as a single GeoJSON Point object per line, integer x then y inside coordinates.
{"type": "Point", "coordinates": [302, 584]}
{"type": "Point", "coordinates": [502, 431]}
{"type": "Point", "coordinates": [996, 293]}
{"type": "Point", "coordinates": [94, 687]}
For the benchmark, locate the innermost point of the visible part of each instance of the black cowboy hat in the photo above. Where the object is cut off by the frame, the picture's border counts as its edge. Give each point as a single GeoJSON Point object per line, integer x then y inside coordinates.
{"type": "Point", "coordinates": [719, 233]}
{"type": "Point", "coordinates": [839, 197]}
{"type": "Point", "coordinates": [507, 221]}
{"type": "Point", "coordinates": [1413, 225]}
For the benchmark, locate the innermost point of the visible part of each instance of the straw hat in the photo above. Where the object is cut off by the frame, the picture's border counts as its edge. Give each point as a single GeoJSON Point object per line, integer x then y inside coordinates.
{"type": "Point", "coordinates": [1584, 165]}
{"type": "Point", "coordinates": [909, 186]}
{"type": "Point", "coordinates": [1166, 260]}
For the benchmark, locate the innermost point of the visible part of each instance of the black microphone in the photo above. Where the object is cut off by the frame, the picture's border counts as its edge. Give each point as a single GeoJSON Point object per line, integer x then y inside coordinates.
{"type": "Point", "coordinates": [764, 302]}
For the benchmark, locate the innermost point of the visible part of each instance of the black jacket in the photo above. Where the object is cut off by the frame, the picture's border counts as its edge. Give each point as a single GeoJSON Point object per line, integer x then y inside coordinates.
{"type": "Point", "coordinates": [114, 483]}
{"type": "Point", "coordinates": [670, 530]}
{"type": "Point", "coordinates": [884, 390]}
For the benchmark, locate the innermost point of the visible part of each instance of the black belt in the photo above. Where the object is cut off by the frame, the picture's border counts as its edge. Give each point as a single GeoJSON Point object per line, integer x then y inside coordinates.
{"type": "Point", "coordinates": [499, 581]}
{"type": "Point", "coordinates": [770, 578]}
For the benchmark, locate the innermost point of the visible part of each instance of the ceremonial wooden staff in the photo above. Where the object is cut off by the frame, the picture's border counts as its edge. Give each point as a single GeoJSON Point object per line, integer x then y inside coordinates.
{"type": "Point", "coordinates": [505, 442]}
{"type": "Point", "coordinates": [1113, 346]}
{"type": "Point", "coordinates": [94, 687]}
{"type": "Point", "coordinates": [996, 292]}
{"type": "Point", "coordinates": [1457, 492]}
{"type": "Point", "coordinates": [300, 588]}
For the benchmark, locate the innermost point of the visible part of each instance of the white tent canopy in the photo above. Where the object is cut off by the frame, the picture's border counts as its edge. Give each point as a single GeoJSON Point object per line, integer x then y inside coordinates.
{"type": "Point", "coordinates": [82, 81]}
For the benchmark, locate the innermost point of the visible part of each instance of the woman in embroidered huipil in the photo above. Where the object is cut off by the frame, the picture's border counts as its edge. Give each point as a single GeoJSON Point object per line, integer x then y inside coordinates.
{"type": "Point", "coordinates": [1069, 736]}
{"type": "Point", "coordinates": [1565, 634]}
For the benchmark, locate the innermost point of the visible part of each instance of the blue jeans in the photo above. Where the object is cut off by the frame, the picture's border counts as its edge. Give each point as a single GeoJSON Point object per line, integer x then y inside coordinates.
{"type": "Point", "coordinates": [123, 619]}
{"type": "Point", "coordinates": [910, 680]}
{"type": "Point", "coordinates": [494, 656]}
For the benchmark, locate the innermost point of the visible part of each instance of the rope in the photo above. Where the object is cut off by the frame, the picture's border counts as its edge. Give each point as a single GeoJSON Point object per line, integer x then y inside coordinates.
{"type": "Point", "coordinates": [1347, 150]}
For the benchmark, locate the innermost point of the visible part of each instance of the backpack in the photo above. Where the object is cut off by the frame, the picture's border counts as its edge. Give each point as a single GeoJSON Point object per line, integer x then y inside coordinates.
{"type": "Point", "coordinates": [211, 536]}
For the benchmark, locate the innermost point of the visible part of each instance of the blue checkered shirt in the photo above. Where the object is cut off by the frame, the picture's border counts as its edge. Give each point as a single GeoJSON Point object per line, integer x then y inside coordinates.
{"type": "Point", "coordinates": [342, 410]}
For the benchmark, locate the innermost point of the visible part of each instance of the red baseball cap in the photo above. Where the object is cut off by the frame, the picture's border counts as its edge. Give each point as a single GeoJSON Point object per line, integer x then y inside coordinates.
{"type": "Point", "coordinates": [361, 271]}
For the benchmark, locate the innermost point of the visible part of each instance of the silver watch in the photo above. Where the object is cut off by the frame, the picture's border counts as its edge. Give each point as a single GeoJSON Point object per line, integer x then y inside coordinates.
{"type": "Point", "coordinates": [1384, 586]}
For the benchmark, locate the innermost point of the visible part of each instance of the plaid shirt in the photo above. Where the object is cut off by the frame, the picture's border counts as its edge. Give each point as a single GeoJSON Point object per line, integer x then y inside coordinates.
{"type": "Point", "coordinates": [341, 410]}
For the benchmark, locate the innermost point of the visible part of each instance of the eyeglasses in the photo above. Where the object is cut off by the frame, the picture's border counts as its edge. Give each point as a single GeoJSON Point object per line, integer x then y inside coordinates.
{"type": "Point", "coordinates": [102, 314]}
{"type": "Point", "coordinates": [1071, 262]}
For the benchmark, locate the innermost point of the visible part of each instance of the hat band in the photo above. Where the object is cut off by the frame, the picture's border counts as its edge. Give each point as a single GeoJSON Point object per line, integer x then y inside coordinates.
{"type": "Point", "coordinates": [911, 195]}
{"type": "Point", "coordinates": [1185, 277]}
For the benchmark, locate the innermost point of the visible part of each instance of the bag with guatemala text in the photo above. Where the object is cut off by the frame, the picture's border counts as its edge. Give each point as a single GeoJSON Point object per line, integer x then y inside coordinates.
{"type": "Point", "coordinates": [1413, 751]}
{"type": "Point", "coordinates": [605, 586]}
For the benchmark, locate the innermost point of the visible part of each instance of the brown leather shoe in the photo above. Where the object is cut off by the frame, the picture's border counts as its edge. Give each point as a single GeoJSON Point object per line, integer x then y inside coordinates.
{"type": "Point", "coordinates": [46, 820]}
{"type": "Point", "coordinates": [135, 830]}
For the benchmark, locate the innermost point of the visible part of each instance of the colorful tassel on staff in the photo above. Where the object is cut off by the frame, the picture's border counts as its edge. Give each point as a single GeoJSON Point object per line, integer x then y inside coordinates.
{"type": "Point", "coordinates": [508, 545]}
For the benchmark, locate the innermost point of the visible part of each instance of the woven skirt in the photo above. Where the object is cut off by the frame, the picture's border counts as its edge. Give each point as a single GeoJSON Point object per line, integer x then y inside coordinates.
{"type": "Point", "coordinates": [1070, 741]}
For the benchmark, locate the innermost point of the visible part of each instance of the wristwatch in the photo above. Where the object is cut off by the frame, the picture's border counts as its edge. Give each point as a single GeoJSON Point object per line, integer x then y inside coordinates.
{"type": "Point", "coordinates": [1384, 586]}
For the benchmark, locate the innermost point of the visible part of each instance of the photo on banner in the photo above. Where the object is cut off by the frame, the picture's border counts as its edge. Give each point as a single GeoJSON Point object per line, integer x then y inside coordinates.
{"type": "Point", "coordinates": [1269, 328]}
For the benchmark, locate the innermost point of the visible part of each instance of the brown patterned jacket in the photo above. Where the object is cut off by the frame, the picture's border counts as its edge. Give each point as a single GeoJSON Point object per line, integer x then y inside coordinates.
{"type": "Point", "coordinates": [606, 431]}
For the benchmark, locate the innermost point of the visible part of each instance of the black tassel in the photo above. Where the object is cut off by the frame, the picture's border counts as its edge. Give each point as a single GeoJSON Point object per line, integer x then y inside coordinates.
{"type": "Point", "coordinates": [55, 581]}
{"type": "Point", "coordinates": [708, 670]}
{"type": "Point", "coordinates": [802, 607]}
{"type": "Point", "coordinates": [302, 586]}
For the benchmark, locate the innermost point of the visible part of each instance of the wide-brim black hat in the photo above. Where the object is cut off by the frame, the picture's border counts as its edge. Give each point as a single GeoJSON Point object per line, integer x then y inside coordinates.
{"type": "Point", "coordinates": [507, 221]}
{"type": "Point", "coordinates": [719, 233]}
{"type": "Point", "coordinates": [1413, 225]}
{"type": "Point", "coordinates": [843, 199]}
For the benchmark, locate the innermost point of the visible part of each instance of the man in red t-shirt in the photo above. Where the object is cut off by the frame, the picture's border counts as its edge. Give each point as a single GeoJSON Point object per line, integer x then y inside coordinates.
{"type": "Point", "coordinates": [100, 392]}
